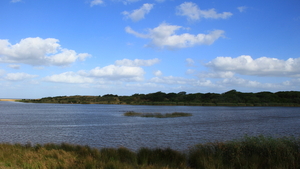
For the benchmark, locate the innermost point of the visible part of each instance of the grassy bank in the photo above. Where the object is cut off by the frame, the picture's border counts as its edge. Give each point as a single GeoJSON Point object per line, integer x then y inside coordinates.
{"type": "Point", "coordinates": [157, 115]}
{"type": "Point", "coordinates": [249, 152]}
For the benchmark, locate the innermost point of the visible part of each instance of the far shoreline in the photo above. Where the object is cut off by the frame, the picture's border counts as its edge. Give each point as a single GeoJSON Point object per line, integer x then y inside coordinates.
{"type": "Point", "coordinates": [9, 100]}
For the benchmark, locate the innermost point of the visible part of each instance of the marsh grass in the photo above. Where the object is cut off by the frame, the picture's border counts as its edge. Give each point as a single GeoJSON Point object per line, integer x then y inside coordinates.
{"type": "Point", "coordinates": [157, 115]}
{"type": "Point", "coordinates": [248, 153]}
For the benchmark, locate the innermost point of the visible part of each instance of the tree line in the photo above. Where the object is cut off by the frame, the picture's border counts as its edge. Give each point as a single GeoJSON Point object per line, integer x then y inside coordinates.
{"type": "Point", "coordinates": [229, 98]}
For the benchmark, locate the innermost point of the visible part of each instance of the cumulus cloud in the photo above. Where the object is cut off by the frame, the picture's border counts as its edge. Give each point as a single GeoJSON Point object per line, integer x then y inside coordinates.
{"type": "Point", "coordinates": [157, 73]}
{"type": "Point", "coordinates": [164, 36]}
{"type": "Point", "coordinates": [263, 66]}
{"type": "Point", "coordinates": [2, 72]}
{"type": "Point", "coordinates": [242, 8]}
{"type": "Point", "coordinates": [216, 74]}
{"type": "Point", "coordinates": [68, 77]}
{"type": "Point", "coordinates": [19, 76]}
{"type": "Point", "coordinates": [190, 71]}
{"type": "Point", "coordinates": [138, 14]}
{"type": "Point", "coordinates": [123, 71]}
{"type": "Point", "coordinates": [137, 62]}
{"type": "Point", "coordinates": [37, 52]}
{"type": "Point", "coordinates": [14, 66]}
{"type": "Point", "coordinates": [96, 2]}
{"type": "Point", "coordinates": [190, 62]}
{"type": "Point", "coordinates": [240, 82]}
{"type": "Point", "coordinates": [113, 72]}
{"type": "Point", "coordinates": [171, 80]}
{"type": "Point", "coordinates": [237, 82]}
{"type": "Point", "coordinates": [131, 31]}
{"type": "Point", "coordinates": [192, 12]}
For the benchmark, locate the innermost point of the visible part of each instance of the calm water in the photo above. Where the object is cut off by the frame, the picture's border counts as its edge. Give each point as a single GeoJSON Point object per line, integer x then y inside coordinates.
{"type": "Point", "coordinates": [105, 126]}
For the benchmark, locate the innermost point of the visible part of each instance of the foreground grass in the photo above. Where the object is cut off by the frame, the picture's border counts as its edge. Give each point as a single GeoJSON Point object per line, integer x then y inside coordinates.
{"type": "Point", "coordinates": [157, 115]}
{"type": "Point", "coordinates": [249, 153]}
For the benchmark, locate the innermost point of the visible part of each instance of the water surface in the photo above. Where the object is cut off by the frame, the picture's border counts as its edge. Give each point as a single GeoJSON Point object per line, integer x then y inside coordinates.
{"type": "Point", "coordinates": [105, 126]}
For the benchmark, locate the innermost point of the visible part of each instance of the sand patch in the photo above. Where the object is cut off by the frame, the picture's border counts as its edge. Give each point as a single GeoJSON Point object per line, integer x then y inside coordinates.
{"type": "Point", "coordinates": [8, 100]}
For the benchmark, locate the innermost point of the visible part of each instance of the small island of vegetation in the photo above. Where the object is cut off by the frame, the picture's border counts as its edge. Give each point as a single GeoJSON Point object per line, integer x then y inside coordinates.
{"type": "Point", "coordinates": [229, 98]}
{"type": "Point", "coordinates": [157, 115]}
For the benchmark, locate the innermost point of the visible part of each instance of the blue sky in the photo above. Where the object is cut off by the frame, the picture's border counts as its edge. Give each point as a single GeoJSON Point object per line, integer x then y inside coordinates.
{"type": "Point", "coordinates": [96, 47]}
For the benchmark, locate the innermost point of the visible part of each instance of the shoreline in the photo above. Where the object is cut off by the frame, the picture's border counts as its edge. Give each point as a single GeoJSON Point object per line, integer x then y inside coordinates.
{"type": "Point", "coordinates": [9, 100]}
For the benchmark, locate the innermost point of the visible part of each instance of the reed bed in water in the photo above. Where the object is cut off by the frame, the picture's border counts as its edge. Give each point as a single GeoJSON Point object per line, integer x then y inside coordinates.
{"type": "Point", "coordinates": [248, 152]}
{"type": "Point", "coordinates": [157, 115]}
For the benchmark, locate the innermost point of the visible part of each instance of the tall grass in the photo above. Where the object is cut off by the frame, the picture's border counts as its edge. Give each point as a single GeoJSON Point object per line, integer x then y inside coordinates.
{"type": "Point", "coordinates": [248, 153]}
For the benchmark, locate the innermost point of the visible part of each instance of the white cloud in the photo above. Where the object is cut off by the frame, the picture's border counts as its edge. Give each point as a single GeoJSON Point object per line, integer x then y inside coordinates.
{"type": "Point", "coordinates": [14, 66]}
{"type": "Point", "coordinates": [2, 72]}
{"type": "Point", "coordinates": [37, 52]}
{"type": "Point", "coordinates": [19, 76]}
{"type": "Point", "coordinates": [39, 67]}
{"type": "Point", "coordinates": [216, 74]}
{"type": "Point", "coordinates": [138, 14]}
{"type": "Point", "coordinates": [192, 12]}
{"type": "Point", "coordinates": [236, 82]}
{"type": "Point", "coordinates": [14, 1]}
{"type": "Point", "coordinates": [240, 82]}
{"type": "Point", "coordinates": [113, 72]}
{"type": "Point", "coordinates": [67, 57]}
{"type": "Point", "coordinates": [137, 62]}
{"type": "Point", "coordinates": [263, 66]}
{"type": "Point", "coordinates": [190, 62]}
{"type": "Point", "coordinates": [131, 31]}
{"type": "Point", "coordinates": [242, 8]}
{"type": "Point", "coordinates": [157, 73]}
{"type": "Point", "coordinates": [124, 71]}
{"type": "Point", "coordinates": [96, 2]}
{"type": "Point", "coordinates": [125, 2]}
{"type": "Point", "coordinates": [68, 77]}
{"type": "Point", "coordinates": [171, 80]}
{"type": "Point", "coordinates": [293, 83]}
{"type": "Point", "coordinates": [190, 71]}
{"type": "Point", "coordinates": [164, 36]}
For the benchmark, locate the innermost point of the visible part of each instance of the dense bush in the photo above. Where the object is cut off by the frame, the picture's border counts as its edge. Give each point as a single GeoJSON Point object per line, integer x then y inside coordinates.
{"type": "Point", "coordinates": [230, 98]}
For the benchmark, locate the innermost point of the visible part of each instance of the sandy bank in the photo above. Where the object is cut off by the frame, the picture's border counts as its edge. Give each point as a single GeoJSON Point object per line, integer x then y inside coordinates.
{"type": "Point", "coordinates": [8, 100]}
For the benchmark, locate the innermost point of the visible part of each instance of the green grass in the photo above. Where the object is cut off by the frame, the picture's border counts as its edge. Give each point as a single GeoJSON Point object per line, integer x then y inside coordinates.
{"type": "Point", "coordinates": [249, 152]}
{"type": "Point", "coordinates": [246, 153]}
{"type": "Point", "coordinates": [157, 115]}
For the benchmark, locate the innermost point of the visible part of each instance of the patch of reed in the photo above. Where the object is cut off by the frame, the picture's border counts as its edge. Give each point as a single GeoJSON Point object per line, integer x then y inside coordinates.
{"type": "Point", "coordinates": [132, 113]}
{"type": "Point", "coordinates": [161, 157]}
{"type": "Point", "coordinates": [157, 115]}
{"type": "Point", "coordinates": [249, 152]}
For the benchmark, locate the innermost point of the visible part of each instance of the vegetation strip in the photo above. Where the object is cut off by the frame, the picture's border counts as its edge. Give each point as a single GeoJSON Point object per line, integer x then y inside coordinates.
{"type": "Point", "coordinates": [248, 152]}
{"type": "Point", "coordinates": [230, 98]}
{"type": "Point", "coordinates": [157, 115]}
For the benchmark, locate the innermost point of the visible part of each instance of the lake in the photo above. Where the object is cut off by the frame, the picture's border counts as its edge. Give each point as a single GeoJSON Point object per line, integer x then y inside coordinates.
{"type": "Point", "coordinates": [102, 126]}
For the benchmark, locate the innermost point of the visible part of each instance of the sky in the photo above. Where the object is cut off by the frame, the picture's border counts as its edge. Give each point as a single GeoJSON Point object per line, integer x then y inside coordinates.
{"type": "Point", "coordinates": [94, 47]}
